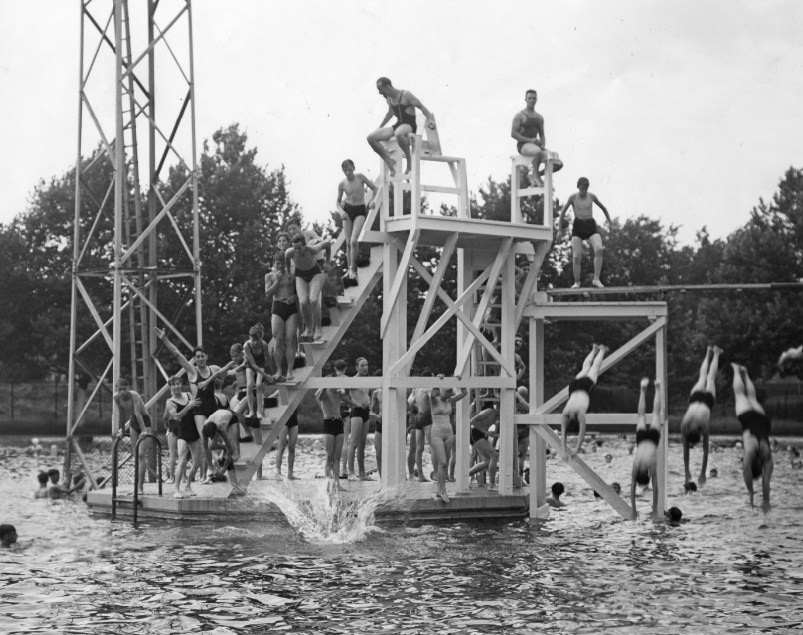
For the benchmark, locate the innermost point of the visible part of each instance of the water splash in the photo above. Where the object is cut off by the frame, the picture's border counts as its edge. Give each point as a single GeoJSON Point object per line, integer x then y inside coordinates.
{"type": "Point", "coordinates": [326, 515]}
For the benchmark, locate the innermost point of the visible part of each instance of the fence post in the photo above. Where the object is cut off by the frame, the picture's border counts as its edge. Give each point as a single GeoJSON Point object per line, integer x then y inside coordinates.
{"type": "Point", "coordinates": [12, 402]}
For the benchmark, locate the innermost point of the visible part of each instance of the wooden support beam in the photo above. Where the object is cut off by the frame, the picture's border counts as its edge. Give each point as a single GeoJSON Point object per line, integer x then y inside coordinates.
{"type": "Point", "coordinates": [587, 474]}
{"type": "Point", "coordinates": [398, 280]}
{"type": "Point", "coordinates": [434, 285]}
{"type": "Point", "coordinates": [615, 357]}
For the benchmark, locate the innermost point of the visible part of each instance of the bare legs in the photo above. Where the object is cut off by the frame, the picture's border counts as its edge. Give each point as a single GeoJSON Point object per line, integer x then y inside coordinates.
{"type": "Point", "coordinates": [577, 258]}
{"type": "Point", "coordinates": [288, 439]}
{"type": "Point", "coordinates": [756, 450]}
{"type": "Point", "coordinates": [402, 134]}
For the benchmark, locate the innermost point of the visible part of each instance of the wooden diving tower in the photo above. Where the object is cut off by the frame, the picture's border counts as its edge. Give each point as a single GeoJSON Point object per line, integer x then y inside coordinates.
{"type": "Point", "coordinates": [485, 252]}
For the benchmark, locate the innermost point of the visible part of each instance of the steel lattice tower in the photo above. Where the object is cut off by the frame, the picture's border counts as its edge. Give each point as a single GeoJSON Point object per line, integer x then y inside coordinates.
{"type": "Point", "coordinates": [136, 188]}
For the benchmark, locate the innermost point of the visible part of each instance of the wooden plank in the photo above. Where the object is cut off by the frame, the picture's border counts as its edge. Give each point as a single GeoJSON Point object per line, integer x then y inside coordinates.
{"type": "Point", "coordinates": [580, 311]}
{"type": "Point", "coordinates": [596, 419]}
{"type": "Point", "coordinates": [680, 288]}
{"type": "Point", "coordinates": [401, 276]}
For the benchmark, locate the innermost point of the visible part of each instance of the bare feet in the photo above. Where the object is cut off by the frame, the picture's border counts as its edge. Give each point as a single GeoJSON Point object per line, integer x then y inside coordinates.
{"type": "Point", "coordinates": [596, 283]}
{"type": "Point", "coordinates": [576, 285]}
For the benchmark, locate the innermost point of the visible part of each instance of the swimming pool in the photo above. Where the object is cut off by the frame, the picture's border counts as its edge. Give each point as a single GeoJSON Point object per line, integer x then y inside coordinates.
{"type": "Point", "coordinates": [583, 570]}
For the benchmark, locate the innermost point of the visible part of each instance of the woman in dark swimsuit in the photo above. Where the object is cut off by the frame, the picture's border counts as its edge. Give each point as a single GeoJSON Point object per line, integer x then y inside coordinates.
{"type": "Point", "coordinates": [179, 413]}
{"type": "Point", "coordinates": [201, 377]}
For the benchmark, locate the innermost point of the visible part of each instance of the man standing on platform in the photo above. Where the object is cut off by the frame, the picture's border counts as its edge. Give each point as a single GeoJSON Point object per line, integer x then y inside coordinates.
{"type": "Point", "coordinates": [584, 228]}
{"type": "Point", "coordinates": [402, 105]}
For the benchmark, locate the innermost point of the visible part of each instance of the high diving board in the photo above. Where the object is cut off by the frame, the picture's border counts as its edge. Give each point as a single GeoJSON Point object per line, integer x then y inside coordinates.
{"type": "Point", "coordinates": [677, 288]}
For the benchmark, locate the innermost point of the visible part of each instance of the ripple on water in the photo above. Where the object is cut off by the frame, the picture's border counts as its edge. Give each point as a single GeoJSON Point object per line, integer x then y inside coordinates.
{"type": "Point", "coordinates": [727, 570]}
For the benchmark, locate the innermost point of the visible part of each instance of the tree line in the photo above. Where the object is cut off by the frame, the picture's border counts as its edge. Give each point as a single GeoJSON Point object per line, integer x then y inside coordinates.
{"type": "Point", "coordinates": [244, 204]}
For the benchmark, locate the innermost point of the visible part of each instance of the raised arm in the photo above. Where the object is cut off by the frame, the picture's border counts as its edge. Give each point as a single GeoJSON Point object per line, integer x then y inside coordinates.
{"type": "Point", "coordinates": [188, 367]}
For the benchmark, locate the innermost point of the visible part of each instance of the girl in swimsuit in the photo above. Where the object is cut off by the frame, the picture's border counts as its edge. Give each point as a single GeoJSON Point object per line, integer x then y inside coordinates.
{"type": "Point", "coordinates": [645, 456]}
{"type": "Point", "coordinates": [698, 414]}
{"type": "Point", "coordinates": [441, 436]}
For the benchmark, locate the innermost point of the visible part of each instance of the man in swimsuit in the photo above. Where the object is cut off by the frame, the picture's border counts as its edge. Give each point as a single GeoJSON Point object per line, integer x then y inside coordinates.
{"type": "Point", "coordinates": [756, 428]}
{"type": "Point", "coordinates": [482, 438]}
{"type": "Point", "coordinates": [645, 456]}
{"type": "Point", "coordinates": [419, 402]}
{"type": "Point", "coordinates": [309, 283]}
{"type": "Point", "coordinates": [353, 211]}
{"type": "Point", "coordinates": [528, 131]}
{"type": "Point", "coordinates": [695, 422]}
{"type": "Point", "coordinates": [280, 287]}
{"type": "Point", "coordinates": [574, 413]}
{"type": "Point", "coordinates": [360, 401]}
{"type": "Point", "coordinates": [584, 228]}
{"type": "Point", "coordinates": [288, 438]}
{"type": "Point", "coordinates": [329, 398]}
{"type": "Point", "coordinates": [402, 105]}
{"type": "Point", "coordinates": [134, 416]}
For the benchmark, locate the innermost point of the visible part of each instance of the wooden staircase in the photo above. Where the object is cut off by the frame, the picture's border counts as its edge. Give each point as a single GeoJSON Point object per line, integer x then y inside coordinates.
{"type": "Point", "coordinates": [290, 394]}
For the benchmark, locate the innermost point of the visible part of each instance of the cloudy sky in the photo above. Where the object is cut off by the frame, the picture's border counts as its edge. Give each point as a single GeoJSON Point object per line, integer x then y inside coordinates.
{"type": "Point", "coordinates": [685, 111]}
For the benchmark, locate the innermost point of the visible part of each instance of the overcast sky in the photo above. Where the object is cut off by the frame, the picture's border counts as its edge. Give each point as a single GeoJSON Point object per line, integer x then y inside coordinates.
{"type": "Point", "coordinates": [686, 111]}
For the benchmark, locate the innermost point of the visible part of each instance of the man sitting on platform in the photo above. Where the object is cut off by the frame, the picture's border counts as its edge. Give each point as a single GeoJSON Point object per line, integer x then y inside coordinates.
{"type": "Point", "coordinates": [402, 105]}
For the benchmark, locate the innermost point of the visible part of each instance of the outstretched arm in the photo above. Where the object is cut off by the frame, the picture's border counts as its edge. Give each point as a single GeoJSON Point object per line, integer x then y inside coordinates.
{"type": "Point", "coordinates": [604, 209]}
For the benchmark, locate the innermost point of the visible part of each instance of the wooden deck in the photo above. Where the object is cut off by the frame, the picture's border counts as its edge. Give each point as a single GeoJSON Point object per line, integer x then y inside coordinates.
{"type": "Point", "coordinates": [412, 503]}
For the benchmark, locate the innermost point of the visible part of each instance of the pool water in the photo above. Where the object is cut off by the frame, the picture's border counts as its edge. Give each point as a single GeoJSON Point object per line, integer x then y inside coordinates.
{"type": "Point", "coordinates": [726, 569]}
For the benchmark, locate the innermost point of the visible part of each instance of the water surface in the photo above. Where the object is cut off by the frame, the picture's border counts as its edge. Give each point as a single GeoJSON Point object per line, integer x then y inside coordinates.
{"type": "Point", "coordinates": [728, 569]}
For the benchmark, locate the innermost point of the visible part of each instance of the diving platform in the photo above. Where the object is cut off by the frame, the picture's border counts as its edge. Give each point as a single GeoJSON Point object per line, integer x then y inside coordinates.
{"type": "Point", "coordinates": [411, 503]}
{"type": "Point", "coordinates": [479, 316]}
{"type": "Point", "coordinates": [472, 233]}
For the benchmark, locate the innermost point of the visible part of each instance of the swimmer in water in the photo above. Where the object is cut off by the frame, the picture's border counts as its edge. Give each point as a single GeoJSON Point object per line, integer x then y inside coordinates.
{"type": "Point", "coordinates": [645, 459]}
{"type": "Point", "coordinates": [554, 500]}
{"type": "Point", "coordinates": [43, 479]}
{"type": "Point", "coordinates": [8, 535]}
{"type": "Point", "coordinates": [695, 422]}
{"type": "Point", "coordinates": [756, 425]}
